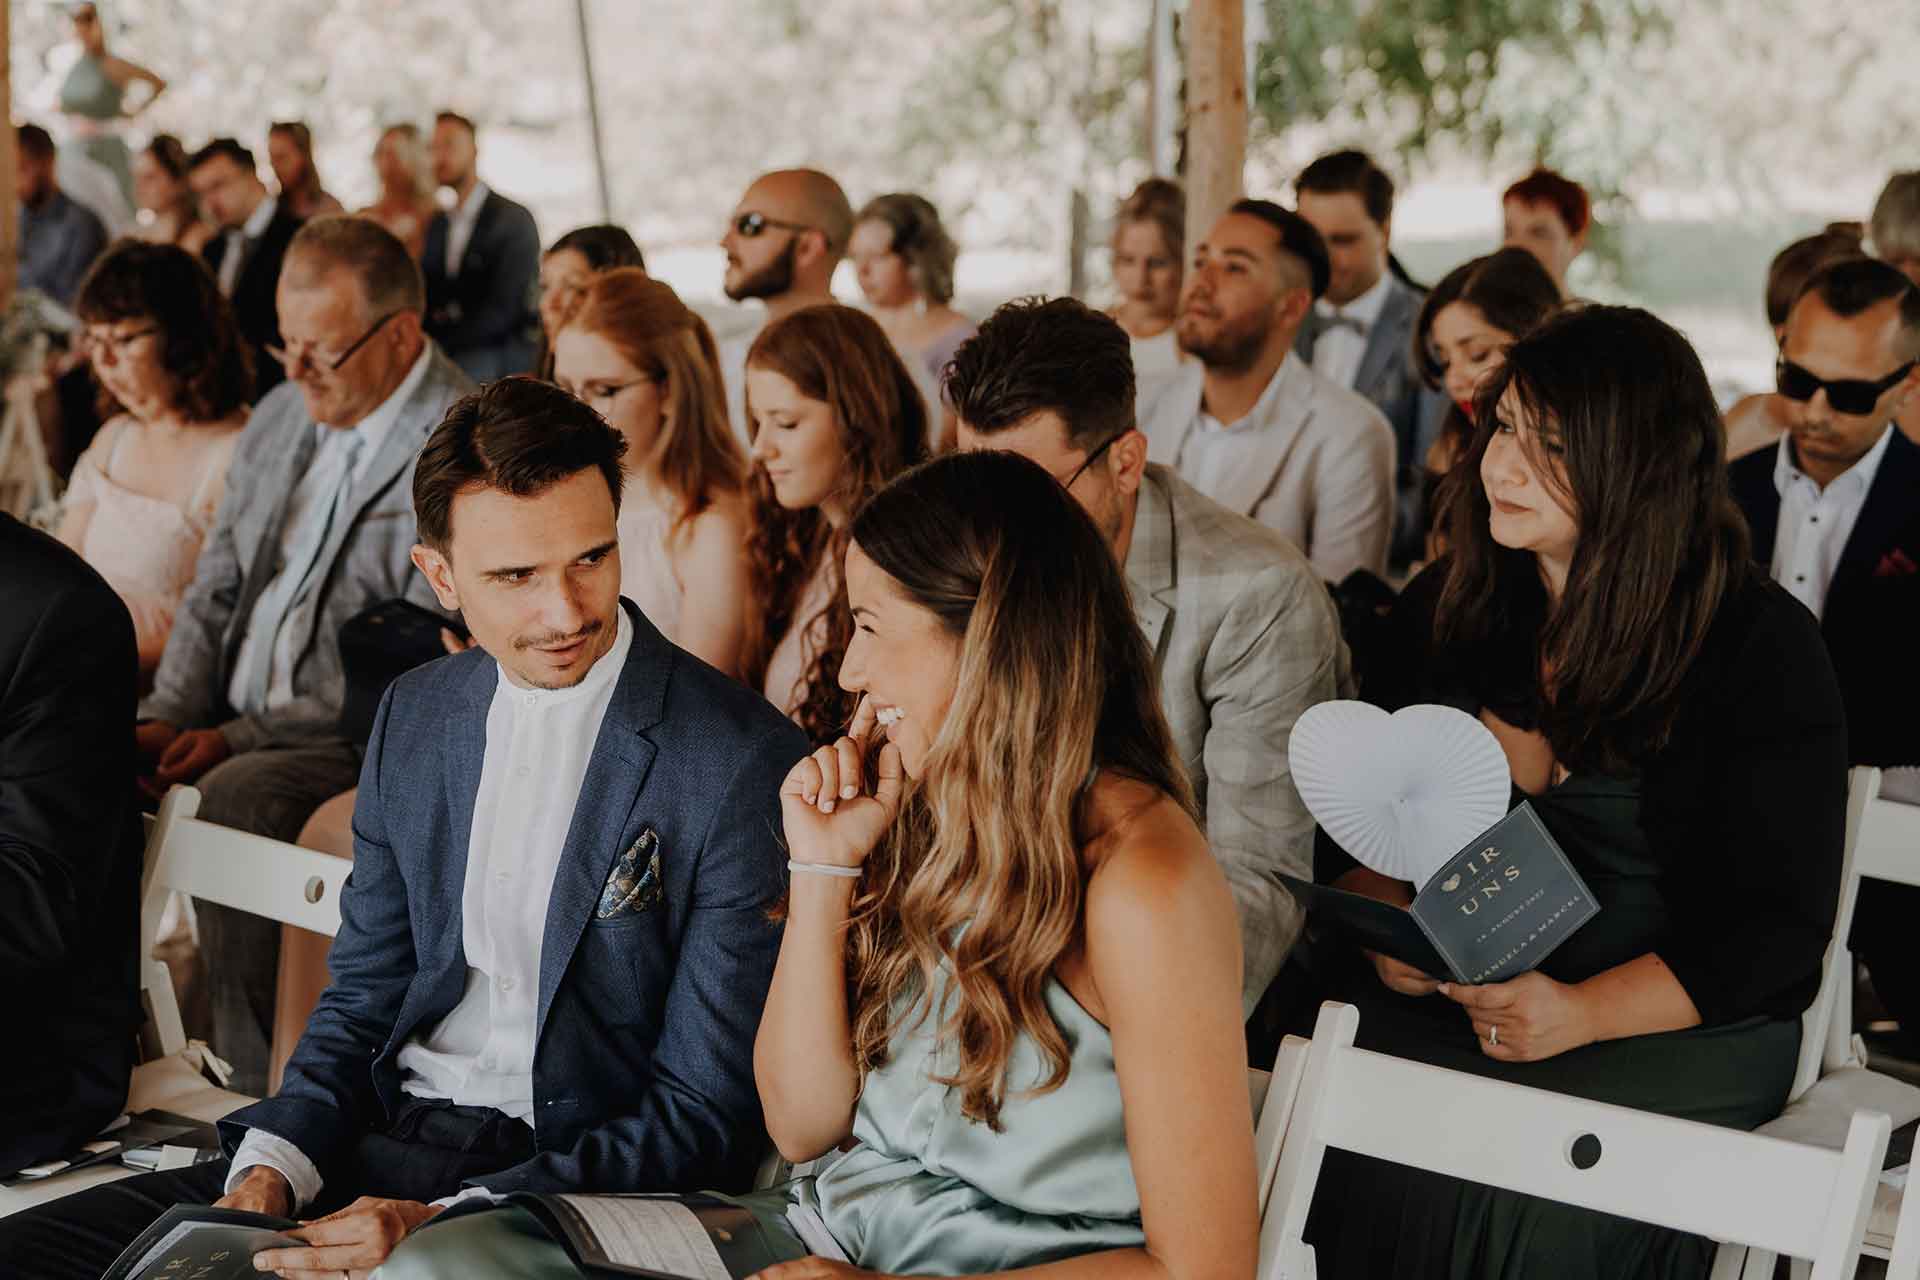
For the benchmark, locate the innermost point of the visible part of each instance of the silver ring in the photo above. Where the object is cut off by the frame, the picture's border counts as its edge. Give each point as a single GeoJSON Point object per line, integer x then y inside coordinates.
{"type": "Point", "coordinates": [1493, 1035]}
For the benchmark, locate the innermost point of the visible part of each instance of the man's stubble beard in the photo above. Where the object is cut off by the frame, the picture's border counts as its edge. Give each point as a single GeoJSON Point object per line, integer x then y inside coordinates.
{"type": "Point", "coordinates": [770, 281]}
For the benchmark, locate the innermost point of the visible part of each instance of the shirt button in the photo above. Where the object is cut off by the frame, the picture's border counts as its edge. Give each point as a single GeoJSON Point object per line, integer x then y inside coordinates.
{"type": "Point", "coordinates": [1814, 519]}
{"type": "Point", "coordinates": [523, 771]}
{"type": "Point", "coordinates": [1799, 577]}
{"type": "Point", "coordinates": [529, 699]}
{"type": "Point", "coordinates": [506, 984]}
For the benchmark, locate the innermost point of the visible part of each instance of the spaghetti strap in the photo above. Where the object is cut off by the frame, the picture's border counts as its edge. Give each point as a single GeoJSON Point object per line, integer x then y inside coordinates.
{"type": "Point", "coordinates": [213, 468]}
{"type": "Point", "coordinates": [119, 426]}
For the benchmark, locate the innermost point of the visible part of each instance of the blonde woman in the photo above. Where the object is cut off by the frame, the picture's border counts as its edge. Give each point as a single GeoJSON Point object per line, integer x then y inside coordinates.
{"type": "Point", "coordinates": [1010, 981]}
{"type": "Point", "coordinates": [638, 356]}
{"type": "Point", "coordinates": [406, 202]}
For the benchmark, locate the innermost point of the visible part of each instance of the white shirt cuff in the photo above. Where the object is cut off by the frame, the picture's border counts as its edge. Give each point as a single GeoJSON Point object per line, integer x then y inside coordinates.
{"type": "Point", "coordinates": [469, 1193]}
{"type": "Point", "coordinates": [270, 1149]}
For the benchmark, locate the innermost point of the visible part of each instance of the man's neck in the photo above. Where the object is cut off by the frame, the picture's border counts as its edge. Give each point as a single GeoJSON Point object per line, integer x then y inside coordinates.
{"type": "Point", "coordinates": [1821, 471]}
{"type": "Point", "coordinates": [784, 305]}
{"type": "Point", "coordinates": [1123, 537]}
{"type": "Point", "coordinates": [1230, 394]}
{"type": "Point", "coordinates": [252, 209]}
{"type": "Point", "coordinates": [464, 188]}
{"type": "Point", "coordinates": [399, 376]}
{"type": "Point", "coordinates": [1365, 289]}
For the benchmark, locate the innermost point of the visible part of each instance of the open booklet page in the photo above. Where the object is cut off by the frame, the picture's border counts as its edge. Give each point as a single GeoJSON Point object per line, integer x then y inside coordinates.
{"type": "Point", "coordinates": [694, 1237]}
{"type": "Point", "coordinates": [204, 1243]}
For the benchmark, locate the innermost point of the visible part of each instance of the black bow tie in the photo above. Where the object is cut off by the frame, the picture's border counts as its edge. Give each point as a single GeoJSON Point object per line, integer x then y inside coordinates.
{"type": "Point", "coordinates": [1338, 321]}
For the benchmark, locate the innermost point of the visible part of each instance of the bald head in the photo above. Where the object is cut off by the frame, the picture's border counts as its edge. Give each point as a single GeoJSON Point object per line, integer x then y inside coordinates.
{"type": "Point", "coordinates": [810, 198]}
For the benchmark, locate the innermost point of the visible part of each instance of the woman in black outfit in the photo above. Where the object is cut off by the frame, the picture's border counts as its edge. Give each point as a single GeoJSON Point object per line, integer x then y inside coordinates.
{"type": "Point", "coordinates": [1673, 718]}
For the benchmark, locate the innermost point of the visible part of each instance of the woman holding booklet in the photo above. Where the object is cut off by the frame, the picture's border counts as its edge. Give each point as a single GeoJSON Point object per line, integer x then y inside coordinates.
{"type": "Point", "coordinates": [1672, 717]}
{"type": "Point", "coordinates": [1006, 1010]}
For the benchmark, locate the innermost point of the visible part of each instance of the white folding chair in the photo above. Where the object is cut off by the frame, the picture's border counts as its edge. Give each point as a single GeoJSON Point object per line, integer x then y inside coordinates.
{"type": "Point", "coordinates": [1794, 1200]}
{"type": "Point", "coordinates": [27, 479]}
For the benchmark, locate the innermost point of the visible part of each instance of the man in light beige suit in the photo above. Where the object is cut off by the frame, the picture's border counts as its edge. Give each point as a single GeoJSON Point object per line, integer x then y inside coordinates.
{"type": "Point", "coordinates": [1248, 422]}
{"type": "Point", "coordinates": [1243, 633]}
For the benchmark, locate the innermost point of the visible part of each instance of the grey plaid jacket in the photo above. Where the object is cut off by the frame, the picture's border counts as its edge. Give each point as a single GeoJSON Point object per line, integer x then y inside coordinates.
{"type": "Point", "coordinates": [1245, 638]}
{"type": "Point", "coordinates": [366, 560]}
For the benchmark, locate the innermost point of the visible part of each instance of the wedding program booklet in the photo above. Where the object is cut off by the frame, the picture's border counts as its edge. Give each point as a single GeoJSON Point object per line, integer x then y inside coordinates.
{"type": "Point", "coordinates": [663, 1237]}
{"type": "Point", "coordinates": [1493, 911]}
{"type": "Point", "coordinates": [202, 1242]}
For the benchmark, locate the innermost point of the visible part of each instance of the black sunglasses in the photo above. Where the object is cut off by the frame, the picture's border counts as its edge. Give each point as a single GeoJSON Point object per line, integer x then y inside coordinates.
{"type": "Point", "coordinates": [752, 224]}
{"type": "Point", "coordinates": [1847, 395]}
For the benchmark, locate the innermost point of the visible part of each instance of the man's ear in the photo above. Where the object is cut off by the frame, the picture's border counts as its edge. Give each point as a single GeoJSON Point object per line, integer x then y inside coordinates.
{"type": "Point", "coordinates": [1903, 395]}
{"type": "Point", "coordinates": [1293, 305]}
{"type": "Point", "coordinates": [1127, 460]}
{"type": "Point", "coordinates": [438, 571]}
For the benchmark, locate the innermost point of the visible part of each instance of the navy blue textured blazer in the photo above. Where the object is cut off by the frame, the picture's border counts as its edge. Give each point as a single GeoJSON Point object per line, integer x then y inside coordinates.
{"type": "Point", "coordinates": [643, 1059]}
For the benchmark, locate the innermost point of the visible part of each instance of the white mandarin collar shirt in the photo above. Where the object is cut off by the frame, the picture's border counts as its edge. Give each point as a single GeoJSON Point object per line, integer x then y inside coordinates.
{"type": "Point", "coordinates": [460, 224]}
{"type": "Point", "coordinates": [276, 621]}
{"type": "Point", "coordinates": [237, 241]}
{"type": "Point", "coordinates": [1212, 451]}
{"type": "Point", "coordinates": [539, 743]}
{"type": "Point", "coordinates": [1815, 523]}
{"type": "Point", "coordinates": [1337, 352]}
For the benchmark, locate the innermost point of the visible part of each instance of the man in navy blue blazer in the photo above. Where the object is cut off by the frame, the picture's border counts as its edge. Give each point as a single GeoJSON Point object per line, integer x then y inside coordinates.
{"type": "Point", "coordinates": [557, 937]}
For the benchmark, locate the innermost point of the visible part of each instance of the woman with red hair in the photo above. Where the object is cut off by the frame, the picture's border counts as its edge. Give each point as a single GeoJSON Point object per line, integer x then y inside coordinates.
{"type": "Point", "coordinates": [1548, 215]}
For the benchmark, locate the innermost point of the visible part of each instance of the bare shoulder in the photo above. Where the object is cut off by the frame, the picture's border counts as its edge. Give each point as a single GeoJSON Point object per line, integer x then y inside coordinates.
{"type": "Point", "coordinates": [1145, 852]}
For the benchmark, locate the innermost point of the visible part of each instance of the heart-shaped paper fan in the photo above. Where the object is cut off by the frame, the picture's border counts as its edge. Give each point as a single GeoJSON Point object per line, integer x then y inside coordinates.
{"type": "Point", "coordinates": [1401, 793]}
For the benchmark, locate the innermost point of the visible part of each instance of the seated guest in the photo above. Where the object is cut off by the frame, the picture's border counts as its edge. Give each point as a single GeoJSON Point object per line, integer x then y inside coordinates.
{"type": "Point", "coordinates": [588, 1022]}
{"type": "Point", "coordinates": [783, 243]}
{"type": "Point", "coordinates": [1243, 635]}
{"type": "Point", "coordinates": [1758, 420]}
{"type": "Point", "coordinates": [641, 359]}
{"type": "Point", "coordinates": [246, 702]}
{"type": "Point", "coordinates": [1549, 216]}
{"type": "Point", "coordinates": [565, 271]}
{"type": "Point", "coordinates": [1894, 229]}
{"type": "Point", "coordinates": [59, 237]}
{"type": "Point", "coordinates": [1359, 333]}
{"type": "Point", "coordinates": [169, 214]}
{"type": "Point", "coordinates": [162, 342]}
{"type": "Point", "coordinates": [1460, 340]}
{"type": "Point", "coordinates": [290, 155]}
{"type": "Point", "coordinates": [904, 260]}
{"type": "Point", "coordinates": [69, 852]}
{"type": "Point", "coordinates": [253, 233]}
{"type": "Point", "coordinates": [1599, 612]}
{"type": "Point", "coordinates": [1252, 426]}
{"type": "Point", "coordinates": [1149, 257]}
{"type": "Point", "coordinates": [482, 262]}
{"type": "Point", "coordinates": [1835, 513]}
{"type": "Point", "coordinates": [406, 203]}
{"type": "Point", "coordinates": [836, 415]}
{"type": "Point", "coordinates": [1006, 989]}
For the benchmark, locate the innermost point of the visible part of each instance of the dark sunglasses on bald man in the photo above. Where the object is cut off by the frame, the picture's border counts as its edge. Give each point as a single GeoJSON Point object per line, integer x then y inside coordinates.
{"type": "Point", "coordinates": [752, 224]}
{"type": "Point", "coordinates": [1854, 396]}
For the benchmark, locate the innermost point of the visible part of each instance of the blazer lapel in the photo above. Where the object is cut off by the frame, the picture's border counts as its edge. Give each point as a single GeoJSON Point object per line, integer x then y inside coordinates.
{"type": "Point", "coordinates": [266, 557]}
{"type": "Point", "coordinates": [1891, 503]}
{"type": "Point", "coordinates": [604, 815]}
{"type": "Point", "coordinates": [1149, 566]}
{"type": "Point", "coordinates": [466, 754]}
{"type": "Point", "coordinates": [1387, 342]}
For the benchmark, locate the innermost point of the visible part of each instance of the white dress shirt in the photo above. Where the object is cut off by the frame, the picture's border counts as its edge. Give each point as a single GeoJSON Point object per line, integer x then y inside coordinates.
{"type": "Point", "coordinates": [311, 500]}
{"type": "Point", "coordinates": [1213, 451]}
{"type": "Point", "coordinates": [539, 743]}
{"type": "Point", "coordinates": [1815, 523]}
{"type": "Point", "coordinates": [460, 224]}
{"type": "Point", "coordinates": [237, 241]}
{"type": "Point", "coordinates": [1338, 351]}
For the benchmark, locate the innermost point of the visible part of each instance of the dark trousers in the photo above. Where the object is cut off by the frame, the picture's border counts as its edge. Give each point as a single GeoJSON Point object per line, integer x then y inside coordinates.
{"type": "Point", "coordinates": [1883, 924]}
{"type": "Point", "coordinates": [271, 792]}
{"type": "Point", "coordinates": [431, 1148]}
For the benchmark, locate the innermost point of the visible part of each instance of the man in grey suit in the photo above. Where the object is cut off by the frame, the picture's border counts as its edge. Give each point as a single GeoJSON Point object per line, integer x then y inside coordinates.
{"type": "Point", "coordinates": [1250, 424]}
{"type": "Point", "coordinates": [1360, 332]}
{"type": "Point", "coordinates": [317, 524]}
{"type": "Point", "coordinates": [1243, 632]}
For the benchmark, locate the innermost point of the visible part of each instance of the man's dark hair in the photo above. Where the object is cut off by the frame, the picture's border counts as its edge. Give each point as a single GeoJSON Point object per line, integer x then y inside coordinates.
{"type": "Point", "coordinates": [1297, 237]}
{"type": "Point", "coordinates": [36, 142]}
{"type": "Point", "coordinates": [1350, 171]}
{"type": "Point", "coordinates": [454, 117]}
{"type": "Point", "coordinates": [228, 147]}
{"type": "Point", "coordinates": [1793, 266]}
{"type": "Point", "coordinates": [1854, 285]}
{"type": "Point", "coordinates": [519, 435]}
{"type": "Point", "coordinates": [1038, 354]}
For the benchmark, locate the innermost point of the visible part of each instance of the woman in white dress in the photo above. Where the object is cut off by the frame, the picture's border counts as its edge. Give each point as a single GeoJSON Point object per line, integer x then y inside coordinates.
{"type": "Point", "coordinates": [1149, 244]}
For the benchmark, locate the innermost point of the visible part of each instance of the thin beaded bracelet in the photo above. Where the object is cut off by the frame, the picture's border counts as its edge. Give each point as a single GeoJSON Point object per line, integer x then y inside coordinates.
{"type": "Point", "coordinates": [824, 869]}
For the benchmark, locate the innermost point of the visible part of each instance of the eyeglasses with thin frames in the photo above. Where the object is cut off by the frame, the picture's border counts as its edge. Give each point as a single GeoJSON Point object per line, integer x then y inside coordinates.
{"type": "Point", "coordinates": [293, 355]}
{"type": "Point", "coordinates": [95, 344]}
{"type": "Point", "coordinates": [752, 224]}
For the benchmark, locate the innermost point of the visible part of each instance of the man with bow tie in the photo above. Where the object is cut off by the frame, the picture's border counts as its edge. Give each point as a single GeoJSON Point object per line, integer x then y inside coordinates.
{"type": "Point", "coordinates": [557, 936]}
{"type": "Point", "coordinates": [1360, 333]}
{"type": "Point", "coordinates": [1835, 514]}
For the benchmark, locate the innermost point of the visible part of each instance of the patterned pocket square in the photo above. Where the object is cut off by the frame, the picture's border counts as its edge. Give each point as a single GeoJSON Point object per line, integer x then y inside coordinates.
{"type": "Point", "coordinates": [1895, 564]}
{"type": "Point", "coordinates": [633, 885]}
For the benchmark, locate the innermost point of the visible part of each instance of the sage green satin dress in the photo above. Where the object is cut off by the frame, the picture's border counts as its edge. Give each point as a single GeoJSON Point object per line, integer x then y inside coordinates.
{"type": "Point", "coordinates": [924, 1191]}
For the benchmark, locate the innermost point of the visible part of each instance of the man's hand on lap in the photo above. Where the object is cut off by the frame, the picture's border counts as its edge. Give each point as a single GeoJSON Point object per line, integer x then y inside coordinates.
{"type": "Point", "coordinates": [355, 1240]}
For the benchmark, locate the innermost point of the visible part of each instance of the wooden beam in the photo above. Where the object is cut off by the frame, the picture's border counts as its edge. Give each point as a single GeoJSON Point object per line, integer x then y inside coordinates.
{"type": "Point", "coordinates": [1216, 110]}
{"type": "Point", "coordinates": [9, 195]}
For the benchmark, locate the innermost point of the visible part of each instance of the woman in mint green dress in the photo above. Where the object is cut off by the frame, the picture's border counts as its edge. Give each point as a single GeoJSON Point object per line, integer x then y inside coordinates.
{"type": "Point", "coordinates": [1076, 1103]}
{"type": "Point", "coordinates": [93, 96]}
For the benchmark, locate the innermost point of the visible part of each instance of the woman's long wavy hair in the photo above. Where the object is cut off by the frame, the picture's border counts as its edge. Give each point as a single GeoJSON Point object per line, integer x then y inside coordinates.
{"type": "Point", "coordinates": [696, 455]}
{"type": "Point", "coordinates": [843, 359]}
{"type": "Point", "coordinates": [1642, 466]}
{"type": "Point", "coordinates": [981, 877]}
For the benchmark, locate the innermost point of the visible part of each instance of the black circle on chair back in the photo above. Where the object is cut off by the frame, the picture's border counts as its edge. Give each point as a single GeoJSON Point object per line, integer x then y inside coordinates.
{"type": "Point", "coordinates": [1584, 1151]}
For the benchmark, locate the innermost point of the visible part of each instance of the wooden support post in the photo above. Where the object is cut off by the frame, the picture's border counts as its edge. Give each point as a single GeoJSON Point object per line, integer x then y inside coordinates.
{"type": "Point", "coordinates": [9, 197]}
{"type": "Point", "coordinates": [1216, 110]}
